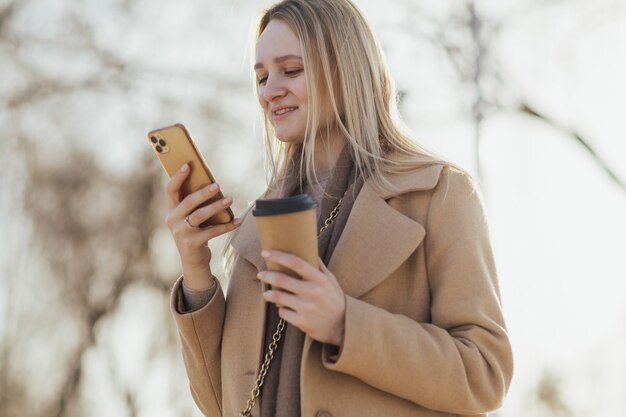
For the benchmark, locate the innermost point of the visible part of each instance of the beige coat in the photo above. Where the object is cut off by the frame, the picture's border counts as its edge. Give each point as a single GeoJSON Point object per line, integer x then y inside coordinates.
{"type": "Point", "coordinates": [424, 332]}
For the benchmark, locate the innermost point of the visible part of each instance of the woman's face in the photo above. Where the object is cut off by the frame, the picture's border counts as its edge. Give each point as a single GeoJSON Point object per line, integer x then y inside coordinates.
{"type": "Point", "coordinates": [282, 83]}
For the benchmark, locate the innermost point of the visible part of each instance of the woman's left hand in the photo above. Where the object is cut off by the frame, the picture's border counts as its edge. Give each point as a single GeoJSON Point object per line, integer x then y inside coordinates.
{"type": "Point", "coordinates": [315, 304]}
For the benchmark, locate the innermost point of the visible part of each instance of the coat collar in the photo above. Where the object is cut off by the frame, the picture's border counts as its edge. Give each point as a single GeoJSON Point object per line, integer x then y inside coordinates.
{"type": "Point", "coordinates": [392, 234]}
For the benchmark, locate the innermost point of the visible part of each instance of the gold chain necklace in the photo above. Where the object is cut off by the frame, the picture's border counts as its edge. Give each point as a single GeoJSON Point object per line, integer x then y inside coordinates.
{"type": "Point", "coordinates": [256, 391]}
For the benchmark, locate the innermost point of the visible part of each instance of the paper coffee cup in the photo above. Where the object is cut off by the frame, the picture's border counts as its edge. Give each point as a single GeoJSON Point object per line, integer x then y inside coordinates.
{"type": "Point", "coordinates": [288, 225]}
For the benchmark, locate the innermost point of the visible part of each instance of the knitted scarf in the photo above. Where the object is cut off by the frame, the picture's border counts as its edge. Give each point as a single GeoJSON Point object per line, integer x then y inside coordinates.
{"type": "Point", "coordinates": [280, 395]}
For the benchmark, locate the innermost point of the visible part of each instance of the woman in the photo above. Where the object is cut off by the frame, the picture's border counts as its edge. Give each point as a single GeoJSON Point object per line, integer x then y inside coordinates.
{"type": "Point", "coordinates": [402, 315]}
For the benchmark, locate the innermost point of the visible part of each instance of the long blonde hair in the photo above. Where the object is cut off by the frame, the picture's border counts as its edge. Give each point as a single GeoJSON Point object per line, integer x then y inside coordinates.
{"type": "Point", "coordinates": [346, 71]}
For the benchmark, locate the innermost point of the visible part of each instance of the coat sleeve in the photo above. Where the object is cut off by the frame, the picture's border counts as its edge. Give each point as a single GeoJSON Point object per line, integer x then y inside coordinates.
{"type": "Point", "coordinates": [201, 336]}
{"type": "Point", "coordinates": [461, 361]}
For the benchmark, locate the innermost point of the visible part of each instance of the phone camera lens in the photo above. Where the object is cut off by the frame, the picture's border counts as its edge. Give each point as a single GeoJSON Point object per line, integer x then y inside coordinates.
{"type": "Point", "coordinates": [162, 142]}
{"type": "Point", "coordinates": [154, 139]}
{"type": "Point", "coordinates": [158, 148]}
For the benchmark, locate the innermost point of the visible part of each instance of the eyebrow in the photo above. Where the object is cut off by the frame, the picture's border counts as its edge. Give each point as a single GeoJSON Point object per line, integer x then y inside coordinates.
{"type": "Point", "coordinates": [278, 60]}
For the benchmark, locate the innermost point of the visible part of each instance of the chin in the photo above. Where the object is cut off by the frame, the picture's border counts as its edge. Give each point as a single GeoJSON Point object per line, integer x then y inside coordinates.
{"type": "Point", "coordinates": [289, 137]}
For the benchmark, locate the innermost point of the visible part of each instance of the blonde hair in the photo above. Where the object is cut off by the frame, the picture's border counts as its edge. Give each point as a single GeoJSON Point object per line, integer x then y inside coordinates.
{"type": "Point", "coordinates": [346, 71]}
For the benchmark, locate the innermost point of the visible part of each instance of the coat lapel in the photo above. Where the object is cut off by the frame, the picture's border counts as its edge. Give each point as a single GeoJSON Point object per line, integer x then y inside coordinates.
{"type": "Point", "coordinates": [377, 238]}
{"type": "Point", "coordinates": [248, 244]}
{"type": "Point", "coordinates": [246, 241]}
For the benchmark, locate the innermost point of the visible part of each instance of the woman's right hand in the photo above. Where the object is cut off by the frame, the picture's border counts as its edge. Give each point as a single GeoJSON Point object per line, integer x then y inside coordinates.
{"type": "Point", "coordinates": [192, 242]}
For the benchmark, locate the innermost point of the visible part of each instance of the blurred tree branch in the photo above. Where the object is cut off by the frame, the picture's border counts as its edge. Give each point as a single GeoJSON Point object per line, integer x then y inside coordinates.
{"type": "Point", "coordinates": [549, 396]}
{"type": "Point", "coordinates": [91, 232]}
{"type": "Point", "coordinates": [527, 109]}
{"type": "Point", "coordinates": [472, 58]}
{"type": "Point", "coordinates": [5, 14]}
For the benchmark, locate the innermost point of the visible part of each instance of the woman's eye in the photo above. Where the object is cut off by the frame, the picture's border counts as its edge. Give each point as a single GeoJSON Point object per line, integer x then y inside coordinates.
{"type": "Point", "coordinates": [293, 73]}
{"type": "Point", "coordinates": [262, 80]}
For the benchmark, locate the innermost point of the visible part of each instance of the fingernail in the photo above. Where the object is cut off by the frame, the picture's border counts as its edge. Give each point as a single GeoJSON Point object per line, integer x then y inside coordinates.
{"type": "Point", "coordinates": [227, 201]}
{"type": "Point", "coordinates": [213, 187]}
{"type": "Point", "coordinates": [184, 168]}
{"type": "Point", "coordinates": [265, 253]}
{"type": "Point", "coordinates": [237, 222]}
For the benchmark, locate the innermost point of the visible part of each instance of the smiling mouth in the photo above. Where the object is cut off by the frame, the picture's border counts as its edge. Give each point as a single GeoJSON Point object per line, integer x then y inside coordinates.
{"type": "Point", "coordinates": [284, 111]}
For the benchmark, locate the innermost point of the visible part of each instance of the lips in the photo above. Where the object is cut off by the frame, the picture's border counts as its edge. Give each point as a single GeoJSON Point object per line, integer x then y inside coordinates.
{"type": "Point", "coordinates": [283, 111]}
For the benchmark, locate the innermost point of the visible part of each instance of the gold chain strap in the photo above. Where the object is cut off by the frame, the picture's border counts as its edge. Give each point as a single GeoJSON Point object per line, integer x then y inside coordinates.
{"type": "Point", "coordinates": [331, 217]}
{"type": "Point", "coordinates": [256, 391]}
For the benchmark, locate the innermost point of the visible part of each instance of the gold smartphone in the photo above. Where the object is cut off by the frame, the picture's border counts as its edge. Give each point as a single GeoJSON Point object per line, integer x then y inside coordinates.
{"type": "Point", "coordinates": [174, 146]}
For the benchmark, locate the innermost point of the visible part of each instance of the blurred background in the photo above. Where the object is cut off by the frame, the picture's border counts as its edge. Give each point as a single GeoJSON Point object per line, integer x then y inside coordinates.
{"type": "Point", "coordinates": [528, 95]}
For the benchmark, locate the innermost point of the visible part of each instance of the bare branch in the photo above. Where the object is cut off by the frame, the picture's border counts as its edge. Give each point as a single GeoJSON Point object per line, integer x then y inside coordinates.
{"type": "Point", "coordinates": [548, 394]}
{"type": "Point", "coordinates": [6, 13]}
{"type": "Point", "coordinates": [526, 108]}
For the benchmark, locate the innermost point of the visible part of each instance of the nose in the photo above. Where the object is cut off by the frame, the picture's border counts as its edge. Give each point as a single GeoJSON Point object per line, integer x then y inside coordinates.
{"type": "Point", "coordinates": [273, 89]}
